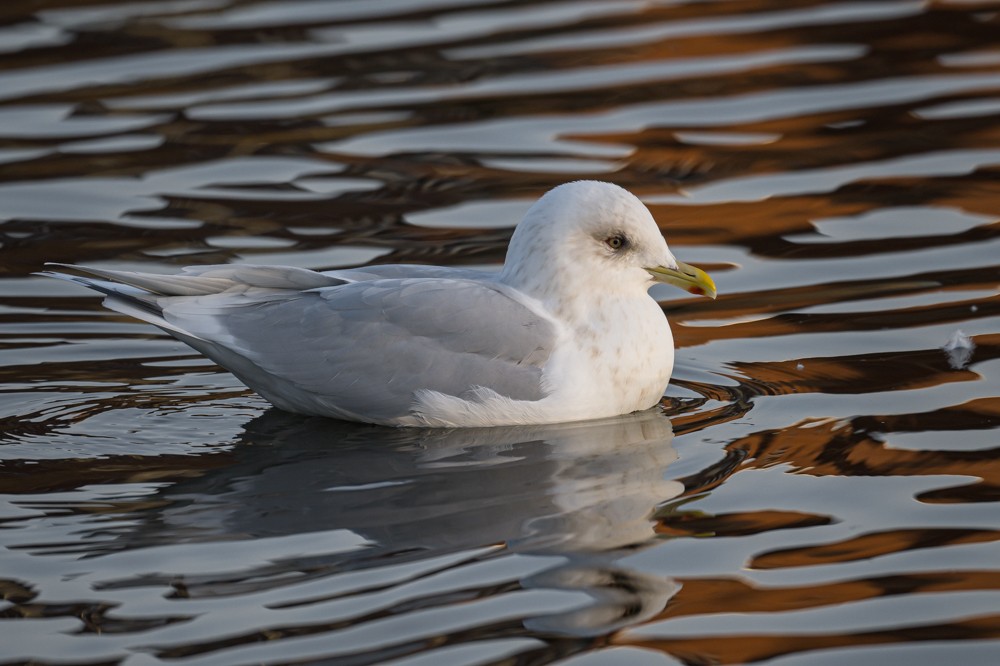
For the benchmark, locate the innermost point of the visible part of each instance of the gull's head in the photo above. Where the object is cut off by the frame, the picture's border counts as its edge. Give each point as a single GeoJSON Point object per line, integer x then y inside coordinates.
{"type": "Point", "coordinates": [598, 237]}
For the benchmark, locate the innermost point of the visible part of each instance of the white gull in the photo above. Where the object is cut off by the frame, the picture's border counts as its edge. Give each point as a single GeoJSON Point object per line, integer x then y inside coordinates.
{"type": "Point", "coordinates": [565, 331]}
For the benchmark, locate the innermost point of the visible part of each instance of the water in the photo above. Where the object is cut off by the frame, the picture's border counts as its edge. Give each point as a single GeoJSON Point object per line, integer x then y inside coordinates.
{"type": "Point", "coordinates": [819, 485]}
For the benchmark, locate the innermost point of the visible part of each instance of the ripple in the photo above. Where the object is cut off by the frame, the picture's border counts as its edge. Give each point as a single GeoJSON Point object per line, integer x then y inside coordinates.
{"type": "Point", "coordinates": [818, 484]}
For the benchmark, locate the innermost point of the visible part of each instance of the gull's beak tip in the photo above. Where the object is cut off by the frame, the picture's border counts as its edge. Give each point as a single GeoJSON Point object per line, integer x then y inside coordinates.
{"type": "Point", "coordinates": [705, 286]}
{"type": "Point", "coordinates": [699, 291]}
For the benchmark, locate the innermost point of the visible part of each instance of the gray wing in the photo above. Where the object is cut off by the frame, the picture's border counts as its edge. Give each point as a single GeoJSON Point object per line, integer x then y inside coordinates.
{"type": "Point", "coordinates": [216, 278]}
{"type": "Point", "coordinates": [403, 271]}
{"type": "Point", "coordinates": [202, 280]}
{"type": "Point", "coordinates": [365, 347]}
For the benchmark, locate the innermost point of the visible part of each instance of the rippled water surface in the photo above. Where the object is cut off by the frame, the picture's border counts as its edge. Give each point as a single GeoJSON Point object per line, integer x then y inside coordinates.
{"type": "Point", "coordinates": [819, 485]}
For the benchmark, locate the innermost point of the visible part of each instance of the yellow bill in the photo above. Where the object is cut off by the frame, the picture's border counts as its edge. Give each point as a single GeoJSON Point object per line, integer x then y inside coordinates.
{"type": "Point", "coordinates": [685, 276]}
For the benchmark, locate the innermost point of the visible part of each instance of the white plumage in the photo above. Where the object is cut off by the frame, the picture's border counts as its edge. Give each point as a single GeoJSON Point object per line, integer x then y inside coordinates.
{"type": "Point", "coordinates": [566, 331]}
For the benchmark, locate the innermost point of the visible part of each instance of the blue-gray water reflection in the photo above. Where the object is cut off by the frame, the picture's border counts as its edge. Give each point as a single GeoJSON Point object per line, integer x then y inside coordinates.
{"type": "Point", "coordinates": [563, 488]}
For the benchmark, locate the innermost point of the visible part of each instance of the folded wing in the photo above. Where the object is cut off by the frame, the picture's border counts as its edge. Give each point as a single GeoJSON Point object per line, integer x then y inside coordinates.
{"type": "Point", "coordinates": [312, 343]}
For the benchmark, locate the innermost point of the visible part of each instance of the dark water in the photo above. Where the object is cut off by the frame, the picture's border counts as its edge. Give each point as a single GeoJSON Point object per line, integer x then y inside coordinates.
{"type": "Point", "coordinates": [819, 487]}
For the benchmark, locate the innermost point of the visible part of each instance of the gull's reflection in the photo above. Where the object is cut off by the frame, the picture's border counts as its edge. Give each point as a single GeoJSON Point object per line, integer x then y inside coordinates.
{"type": "Point", "coordinates": [558, 488]}
{"type": "Point", "coordinates": [583, 491]}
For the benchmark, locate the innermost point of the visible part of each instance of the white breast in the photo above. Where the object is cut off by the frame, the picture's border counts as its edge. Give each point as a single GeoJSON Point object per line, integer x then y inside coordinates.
{"type": "Point", "coordinates": [618, 361]}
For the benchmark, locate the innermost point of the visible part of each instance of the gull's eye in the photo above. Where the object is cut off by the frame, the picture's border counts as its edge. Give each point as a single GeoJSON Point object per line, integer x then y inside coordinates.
{"type": "Point", "coordinates": [616, 242]}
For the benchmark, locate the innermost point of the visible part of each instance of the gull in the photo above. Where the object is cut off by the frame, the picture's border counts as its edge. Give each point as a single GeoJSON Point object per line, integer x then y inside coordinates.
{"type": "Point", "coordinates": [565, 331]}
